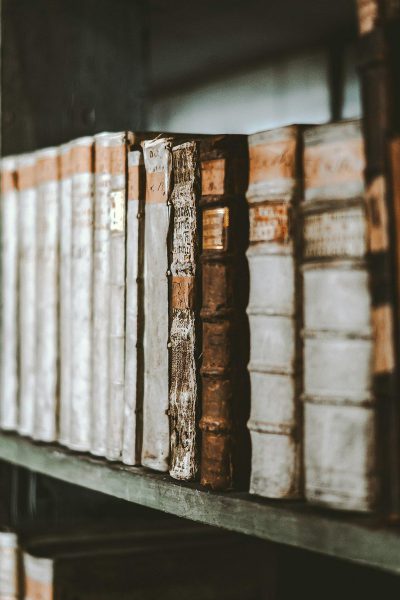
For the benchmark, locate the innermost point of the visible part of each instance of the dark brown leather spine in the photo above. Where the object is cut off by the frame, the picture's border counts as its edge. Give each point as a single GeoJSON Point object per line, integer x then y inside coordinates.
{"type": "Point", "coordinates": [225, 387]}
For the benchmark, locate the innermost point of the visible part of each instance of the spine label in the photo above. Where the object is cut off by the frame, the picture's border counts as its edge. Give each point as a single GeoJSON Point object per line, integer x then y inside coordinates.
{"type": "Point", "coordinates": [213, 177]}
{"type": "Point", "coordinates": [215, 228]}
{"type": "Point", "coordinates": [269, 223]}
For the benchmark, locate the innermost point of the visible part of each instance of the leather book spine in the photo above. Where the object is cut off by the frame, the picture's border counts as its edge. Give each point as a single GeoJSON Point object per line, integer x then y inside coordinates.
{"type": "Point", "coordinates": [47, 235]}
{"type": "Point", "coordinates": [184, 313]}
{"type": "Point", "coordinates": [134, 317]}
{"type": "Point", "coordinates": [65, 319]}
{"type": "Point", "coordinates": [225, 389]}
{"type": "Point", "coordinates": [119, 145]}
{"type": "Point", "coordinates": [275, 313]}
{"type": "Point", "coordinates": [101, 293]}
{"type": "Point", "coordinates": [81, 293]}
{"type": "Point", "coordinates": [27, 290]}
{"type": "Point", "coordinates": [343, 346]}
{"type": "Point", "coordinates": [38, 578]}
{"type": "Point", "coordinates": [156, 438]}
{"type": "Point", "coordinates": [9, 566]}
{"type": "Point", "coordinates": [9, 287]}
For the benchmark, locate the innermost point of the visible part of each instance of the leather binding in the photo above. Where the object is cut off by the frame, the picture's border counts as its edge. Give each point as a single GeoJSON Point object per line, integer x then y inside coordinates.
{"type": "Point", "coordinates": [134, 319]}
{"type": "Point", "coordinates": [225, 384]}
{"type": "Point", "coordinates": [184, 341]}
{"type": "Point", "coordinates": [9, 286]}
{"type": "Point", "coordinates": [10, 576]}
{"type": "Point", "coordinates": [47, 381]}
{"type": "Point", "coordinates": [27, 292]}
{"type": "Point", "coordinates": [347, 343]}
{"type": "Point", "coordinates": [81, 293]}
{"type": "Point", "coordinates": [275, 312]}
{"type": "Point", "coordinates": [156, 438]}
{"type": "Point", "coordinates": [65, 229]}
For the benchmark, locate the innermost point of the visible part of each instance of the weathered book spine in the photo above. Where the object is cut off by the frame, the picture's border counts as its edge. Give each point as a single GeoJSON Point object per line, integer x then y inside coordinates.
{"type": "Point", "coordinates": [275, 313]}
{"type": "Point", "coordinates": [344, 342]}
{"type": "Point", "coordinates": [158, 163]}
{"type": "Point", "coordinates": [65, 316]}
{"type": "Point", "coordinates": [225, 388]}
{"type": "Point", "coordinates": [81, 289]}
{"type": "Point", "coordinates": [46, 393]}
{"type": "Point", "coordinates": [184, 330]}
{"type": "Point", "coordinates": [38, 578]}
{"type": "Point", "coordinates": [9, 297]}
{"type": "Point", "coordinates": [9, 566]}
{"type": "Point", "coordinates": [134, 316]}
{"type": "Point", "coordinates": [101, 293]}
{"type": "Point", "coordinates": [373, 13]}
{"type": "Point", "coordinates": [119, 145]}
{"type": "Point", "coordinates": [27, 291]}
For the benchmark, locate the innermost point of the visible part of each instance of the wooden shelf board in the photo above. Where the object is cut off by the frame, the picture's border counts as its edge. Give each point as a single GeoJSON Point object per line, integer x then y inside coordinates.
{"type": "Point", "coordinates": [361, 539]}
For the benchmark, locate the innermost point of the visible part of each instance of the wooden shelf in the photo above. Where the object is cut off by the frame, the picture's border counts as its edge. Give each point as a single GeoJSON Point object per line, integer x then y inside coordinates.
{"type": "Point", "coordinates": [361, 539]}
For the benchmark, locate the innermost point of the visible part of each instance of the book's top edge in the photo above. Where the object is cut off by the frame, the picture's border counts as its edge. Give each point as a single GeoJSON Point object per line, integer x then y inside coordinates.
{"type": "Point", "coordinates": [135, 158]}
{"type": "Point", "coordinates": [337, 131]}
{"type": "Point", "coordinates": [278, 133]}
{"type": "Point", "coordinates": [161, 139]}
{"type": "Point", "coordinates": [26, 160]}
{"type": "Point", "coordinates": [9, 163]}
{"type": "Point", "coordinates": [108, 138]}
{"type": "Point", "coordinates": [8, 539]}
{"type": "Point", "coordinates": [65, 148]}
{"type": "Point", "coordinates": [86, 140]}
{"type": "Point", "coordinates": [51, 152]}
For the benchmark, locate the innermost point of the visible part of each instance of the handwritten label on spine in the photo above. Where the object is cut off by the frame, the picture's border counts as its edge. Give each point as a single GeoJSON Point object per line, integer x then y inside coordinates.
{"type": "Point", "coordinates": [117, 213]}
{"type": "Point", "coordinates": [215, 228]}
{"type": "Point", "coordinates": [213, 177]}
{"type": "Point", "coordinates": [269, 223]}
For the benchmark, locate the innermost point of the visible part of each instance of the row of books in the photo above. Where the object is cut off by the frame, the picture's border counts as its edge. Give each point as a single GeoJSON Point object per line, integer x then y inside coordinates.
{"type": "Point", "coordinates": [144, 563]}
{"type": "Point", "coordinates": [142, 295]}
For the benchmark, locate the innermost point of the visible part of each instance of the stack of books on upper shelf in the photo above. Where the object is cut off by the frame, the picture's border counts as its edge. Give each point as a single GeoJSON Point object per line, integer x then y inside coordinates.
{"type": "Point", "coordinates": [220, 307]}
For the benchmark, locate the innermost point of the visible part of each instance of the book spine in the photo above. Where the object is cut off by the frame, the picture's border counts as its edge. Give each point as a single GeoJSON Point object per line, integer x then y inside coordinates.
{"type": "Point", "coordinates": [38, 578]}
{"type": "Point", "coordinates": [373, 13]}
{"type": "Point", "coordinates": [9, 264]}
{"type": "Point", "coordinates": [45, 418]}
{"type": "Point", "coordinates": [101, 294]}
{"type": "Point", "coordinates": [275, 313]}
{"type": "Point", "coordinates": [117, 296]}
{"type": "Point", "coordinates": [225, 393]}
{"type": "Point", "coordinates": [134, 316]}
{"type": "Point", "coordinates": [158, 163]}
{"type": "Point", "coordinates": [184, 342]}
{"type": "Point", "coordinates": [341, 355]}
{"type": "Point", "coordinates": [65, 317]}
{"type": "Point", "coordinates": [9, 567]}
{"type": "Point", "coordinates": [27, 291]}
{"type": "Point", "coordinates": [81, 291]}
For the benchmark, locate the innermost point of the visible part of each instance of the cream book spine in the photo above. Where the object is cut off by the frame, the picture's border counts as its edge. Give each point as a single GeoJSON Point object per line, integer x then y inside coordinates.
{"type": "Point", "coordinates": [9, 566]}
{"type": "Point", "coordinates": [9, 263]}
{"type": "Point", "coordinates": [134, 307]}
{"type": "Point", "coordinates": [119, 144]}
{"type": "Point", "coordinates": [81, 291]}
{"type": "Point", "coordinates": [38, 577]}
{"type": "Point", "coordinates": [101, 293]}
{"type": "Point", "coordinates": [45, 418]}
{"type": "Point", "coordinates": [158, 163]}
{"type": "Point", "coordinates": [65, 318]}
{"type": "Point", "coordinates": [27, 291]}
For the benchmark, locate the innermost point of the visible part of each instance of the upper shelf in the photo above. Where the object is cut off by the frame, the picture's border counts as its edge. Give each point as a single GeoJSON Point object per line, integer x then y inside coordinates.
{"type": "Point", "coordinates": [360, 539]}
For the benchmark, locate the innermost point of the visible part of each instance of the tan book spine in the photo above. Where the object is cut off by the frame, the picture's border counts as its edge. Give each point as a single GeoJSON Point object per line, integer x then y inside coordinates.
{"type": "Point", "coordinates": [81, 293]}
{"type": "Point", "coordinates": [27, 290]}
{"type": "Point", "coordinates": [38, 578]}
{"type": "Point", "coordinates": [47, 172]}
{"type": "Point", "coordinates": [65, 316]}
{"type": "Point", "coordinates": [9, 567]}
{"type": "Point", "coordinates": [9, 264]}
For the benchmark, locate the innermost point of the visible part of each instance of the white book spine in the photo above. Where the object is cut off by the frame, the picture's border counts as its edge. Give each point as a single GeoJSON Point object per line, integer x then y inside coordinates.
{"type": "Point", "coordinates": [81, 289]}
{"type": "Point", "coordinates": [38, 577]}
{"type": "Point", "coordinates": [130, 450]}
{"type": "Point", "coordinates": [101, 294]}
{"type": "Point", "coordinates": [117, 296]}
{"type": "Point", "coordinates": [9, 258]}
{"type": "Point", "coordinates": [45, 419]}
{"type": "Point", "coordinates": [65, 317]}
{"type": "Point", "coordinates": [27, 291]}
{"type": "Point", "coordinates": [158, 163]}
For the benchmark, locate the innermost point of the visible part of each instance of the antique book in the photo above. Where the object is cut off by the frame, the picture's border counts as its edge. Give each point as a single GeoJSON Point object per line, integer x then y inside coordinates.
{"type": "Point", "coordinates": [9, 294]}
{"type": "Point", "coordinates": [372, 13]}
{"type": "Point", "coordinates": [81, 293]}
{"type": "Point", "coordinates": [134, 311]}
{"type": "Point", "coordinates": [65, 316]}
{"type": "Point", "coordinates": [347, 345]}
{"type": "Point", "coordinates": [225, 347]}
{"type": "Point", "coordinates": [120, 144]}
{"type": "Point", "coordinates": [275, 312]}
{"type": "Point", "coordinates": [9, 566]}
{"type": "Point", "coordinates": [46, 400]}
{"type": "Point", "coordinates": [101, 293]}
{"type": "Point", "coordinates": [27, 290]}
{"type": "Point", "coordinates": [158, 163]}
{"type": "Point", "coordinates": [184, 341]}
